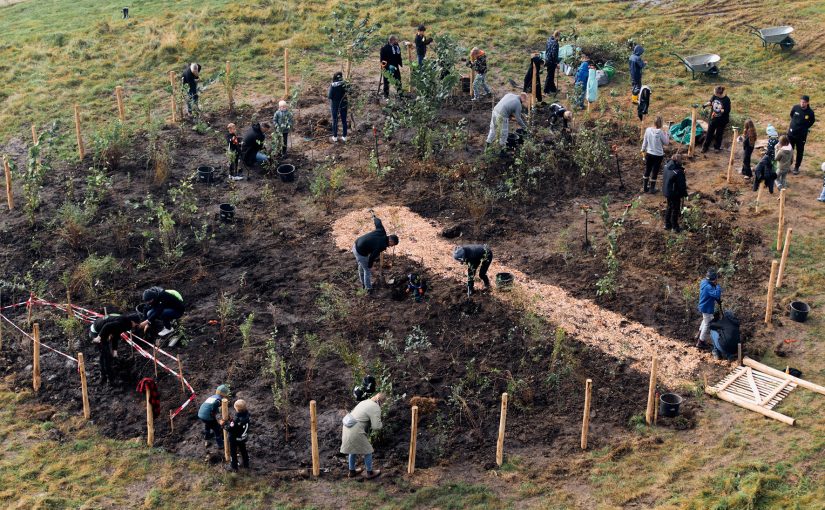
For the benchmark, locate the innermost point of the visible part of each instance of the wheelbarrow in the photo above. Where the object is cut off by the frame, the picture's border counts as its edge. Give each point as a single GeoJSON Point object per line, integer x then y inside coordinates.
{"type": "Point", "coordinates": [705, 63]}
{"type": "Point", "coordinates": [778, 36]}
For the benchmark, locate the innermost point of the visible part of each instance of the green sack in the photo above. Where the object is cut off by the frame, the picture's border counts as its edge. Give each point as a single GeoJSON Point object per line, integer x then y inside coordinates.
{"type": "Point", "coordinates": [681, 132]}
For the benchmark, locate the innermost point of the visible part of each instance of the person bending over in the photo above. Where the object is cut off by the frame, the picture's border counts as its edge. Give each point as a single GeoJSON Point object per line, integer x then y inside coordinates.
{"type": "Point", "coordinates": [477, 257]}
{"type": "Point", "coordinates": [368, 248]}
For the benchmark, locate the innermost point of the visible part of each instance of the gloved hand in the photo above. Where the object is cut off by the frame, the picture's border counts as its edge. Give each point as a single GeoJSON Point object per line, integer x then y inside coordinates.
{"type": "Point", "coordinates": [96, 340]}
{"type": "Point", "coordinates": [114, 354]}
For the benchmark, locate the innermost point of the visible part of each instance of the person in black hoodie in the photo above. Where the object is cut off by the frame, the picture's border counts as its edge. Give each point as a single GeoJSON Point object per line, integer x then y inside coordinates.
{"type": "Point", "coordinates": [421, 43]}
{"type": "Point", "coordinates": [537, 63]}
{"type": "Point", "coordinates": [233, 151]}
{"type": "Point", "coordinates": [551, 60]}
{"type": "Point", "coordinates": [338, 105]}
{"type": "Point", "coordinates": [674, 188]}
{"type": "Point", "coordinates": [719, 116]}
{"type": "Point", "coordinates": [253, 144]}
{"type": "Point", "coordinates": [391, 65]}
{"type": "Point", "coordinates": [368, 247]}
{"type": "Point", "coordinates": [478, 258]}
{"type": "Point", "coordinates": [238, 429]}
{"type": "Point", "coordinates": [802, 119]}
{"type": "Point", "coordinates": [163, 306]}
{"type": "Point", "coordinates": [107, 331]}
{"type": "Point", "coordinates": [190, 77]}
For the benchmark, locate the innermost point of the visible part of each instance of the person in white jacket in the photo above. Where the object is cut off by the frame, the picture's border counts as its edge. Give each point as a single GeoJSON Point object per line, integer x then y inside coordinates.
{"type": "Point", "coordinates": [654, 152]}
{"type": "Point", "coordinates": [355, 439]}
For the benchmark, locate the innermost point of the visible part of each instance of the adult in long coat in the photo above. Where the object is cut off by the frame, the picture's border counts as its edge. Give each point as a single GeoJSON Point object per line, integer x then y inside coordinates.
{"type": "Point", "coordinates": [366, 416]}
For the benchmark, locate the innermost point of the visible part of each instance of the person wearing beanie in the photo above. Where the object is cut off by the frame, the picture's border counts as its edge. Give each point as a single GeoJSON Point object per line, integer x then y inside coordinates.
{"type": "Point", "coordinates": [551, 60]}
{"type": "Point", "coordinates": [391, 64]}
{"type": "Point", "coordinates": [710, 293]}
{"type": "Point", "coordinates": [209, 414]}
{"type": "Point", "coordinates": [253, 144]}
{"type": "Point", "coordinates": [802, 120]}
{"type": "Point", "coordinates": [477, 257]}
{"type": "Point", "coordinates": [338, 105]}
{"type": "Point", "coordinates": [764, 171]}
{"type": "Point", "coordinates": [283, 120]}
{"type": "Point", "coordinates": [421, 43]}
{"type": "Point", "coordinates": [719, 116]}
{"type": "Point", "coordinates": [368, 248]}
{"type": "Point", "coordinates": [784, 159]}
{"type": "Point", "coordinates": [653, 149]}
{"type": "Point", "coordinates": [238, 432]}
{"type": "Point", "coordinates": [636, 67]}
{"type": "Point", "coordinates": [107, 331]}
{"type": "Point", "coordinates": [478, 63]}
{"type": "Point", "coordinates": [190, 78]}
{"type": "Point", "coordinates": [674, 188]}
{"type": "Point", "coordinates": [357, 424]}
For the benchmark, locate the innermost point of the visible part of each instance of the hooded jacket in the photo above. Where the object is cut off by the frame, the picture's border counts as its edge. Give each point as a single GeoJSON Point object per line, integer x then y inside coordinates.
{"type": "Point", "coordinates": [709, 294]}
{"type": "Point", "coordinates": [551, 52]}
{"type": "Point", "coordinates": [238, 427]}
{"type": "Point", "coordinates": [801, 121]}
{"type": "Point", "coordinates": [165, 301]}
{"type": "Point", "coordinates": [674, 182]}
{"type": "Point", "coordinates": [111, 327]}
{"type": "Point", "coordinates": [253, 141]}
{"type": "Point", "coordinates": [473, 254]}
{"type": "Point", "coordinates": [784, 158]}
{"type": "Point", "coordinates": [720, 108]}
{"type": "Point", "coordinates": [583, 73]}
{"type": "Point", "coordinates": [510, 105]}
{"type": "Point", "coordinates": [210, 408]}
{"type": "Point", "coordinates": [636, 65]}
{"type": "Point", "coordinates": [338, 94]}
{"type": "Point", "coordinates": [371, 245]}
{"type": "Point", "coordinates": [391, 54]}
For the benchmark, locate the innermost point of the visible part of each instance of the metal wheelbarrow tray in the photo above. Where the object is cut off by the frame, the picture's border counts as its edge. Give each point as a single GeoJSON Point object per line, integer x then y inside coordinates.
{"type": "Point", "coordinates": [778, 36]}
{"type": "Point", "coordinates": [705, 63]}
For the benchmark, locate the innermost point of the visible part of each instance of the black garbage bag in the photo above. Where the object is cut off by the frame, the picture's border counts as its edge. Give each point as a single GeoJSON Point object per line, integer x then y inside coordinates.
{"type": "Point", "coordinates": [728, 328]}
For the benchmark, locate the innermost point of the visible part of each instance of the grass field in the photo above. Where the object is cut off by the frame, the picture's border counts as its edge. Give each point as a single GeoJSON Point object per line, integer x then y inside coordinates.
{"type": "Point", "coordinates": [54, 54]}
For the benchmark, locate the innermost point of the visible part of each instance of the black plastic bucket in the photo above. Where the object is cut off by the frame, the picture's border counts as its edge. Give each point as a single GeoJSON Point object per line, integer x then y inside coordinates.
{"type": "Point", "coordinates": [206, 174]}
{"type": "Point", "coordinates": [514, 140]}
{"type": "Point", "coordinates": [286, 172]}
{"type": "Point", "coordinates": [465, 84]}
{"type": "Point", "coordinates": [227, 211]}
{"type": "Point", "coordinates": [799, 311]}
{"type": "Point", "coordinates": [669, 405]}
{"type": "Point", "coordinates": [504, 281]}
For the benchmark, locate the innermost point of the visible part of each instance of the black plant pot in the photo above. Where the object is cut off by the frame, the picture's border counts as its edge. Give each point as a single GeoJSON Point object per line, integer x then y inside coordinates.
{"type": "Point", "coordinates": [669, 405]}
{"type": "Point", "coordinates": [286, 172]}
{"type": "Point", "coordinates": [206, 174]}
{"type": "Point", "coordinates": [227, 212]}
{"type": "Point", "coordinates": [504, 281]}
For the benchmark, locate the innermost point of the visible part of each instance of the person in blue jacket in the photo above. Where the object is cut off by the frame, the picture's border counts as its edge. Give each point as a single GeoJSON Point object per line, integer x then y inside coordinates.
{"type": "Point", "coordinates": [710, 293]}
{"type": "Point", "coordinates": [581, 80]}
{"type": "Point", "coordinates": [209, 413]}
{"type": "Point", "coordinates": [636, 66]}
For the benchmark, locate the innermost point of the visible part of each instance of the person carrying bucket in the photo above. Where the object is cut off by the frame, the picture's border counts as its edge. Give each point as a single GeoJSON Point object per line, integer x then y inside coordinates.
{"type": "Point", "coordinates": [162, 306]}
{"type": "Point", "coordinates": [477, 257]}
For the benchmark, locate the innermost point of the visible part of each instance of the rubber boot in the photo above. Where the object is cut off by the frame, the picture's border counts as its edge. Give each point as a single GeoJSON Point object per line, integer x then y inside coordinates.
{"type": "Point", "coordinates": [822, 195]}
{"type": "Point", "coordinates": [653, 186]}
{"type": "Point", "coordinates": [645, 180]}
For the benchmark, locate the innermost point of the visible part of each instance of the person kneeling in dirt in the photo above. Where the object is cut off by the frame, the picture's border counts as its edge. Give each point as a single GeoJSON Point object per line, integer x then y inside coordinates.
{"type": "Point", "coordinates": [238, 428]}
{"type": "Point", "coordinates": [210, 412]}
{"type": "Point", "coordinates": [355, 439]}
{"type": "Point", "coordinates": [560, 113]}
{"type": "Point", "coordinates": [163, 306]}
{"type": "Point", "coordinates": [477, 257]}
{"type": "Point", "coordinates": [107, 331]}
{"type": "Point", "coordinates": [368, 248]}
{"type": "Point", "coordinates": [190, 77]}
{"type": "Point", "coordinates": [253, 144]}
{"type": "Point", "coordinates": [509, 105]}
{"type": "Point", "coordinates": [710, 293]}
{"type": "Point", "coordinates": [674, 188]}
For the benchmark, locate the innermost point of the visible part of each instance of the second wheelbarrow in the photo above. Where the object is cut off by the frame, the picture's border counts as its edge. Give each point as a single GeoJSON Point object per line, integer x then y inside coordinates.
{"type": "Point", "coordinates": [778, 36]}
{"type": "Point", "coordinates": [706, 63]}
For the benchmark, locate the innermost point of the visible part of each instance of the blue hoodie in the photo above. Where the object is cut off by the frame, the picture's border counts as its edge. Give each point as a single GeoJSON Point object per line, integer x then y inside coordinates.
{"type": "Point", "coordinates": [583, 73]}
{"type": "Point", "coordinates": [709, 294]}
{"type": "Point", "coordinates": [636, 65]}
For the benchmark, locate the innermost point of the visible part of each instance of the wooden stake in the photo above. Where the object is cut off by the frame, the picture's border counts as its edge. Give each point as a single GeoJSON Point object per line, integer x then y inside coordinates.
{"type": "Point", "coordinates": [313, 437]}
{"type": "Point", "coordinates": [502, 422]}
{"type": "Point", "coordinates": [171, 421]}
{"type": "Point", "coordinates": [533, 90]}
{"type": "Point", "coordinates": [651, 391]}
{"type": "Point", "coordinates": [80, 150]}
{"type": "Point", "coordinates": [155, 360]}
{"type": "Point", "coordinates": [692, 145]}
{"type": "Point", "coordinates": [150, 421]}
{"type": "Point", "coordinates": [413, 441]}
{"type": "Point", "coordinates": [656, 411]}
{"type": "Point", "coordinates": [286, 73]}
{"type": "Point", "coordinates": [84, 390]}
{"type": "Point", "coordinates": [180, 373]}
{"type": "Point", "coordinates": [29, 310]}
{"type": "Point", "coordinates": [758, 197]}
{"type": "Point", "coordinates": [739, 353]}
{"type": "Point", "coordinates": [173, 103]}
{"type": "Point", "coordinates": [588, 388]}
{"type": "Point", "coordinates": [9, 191]}
{"type": "Point", "coordinates": [750, 405]}
{"type": "Point", "coordinates": [472, 80]}
{"type": "Point", "coordinates": [121, 112]}
{"type": "Point", "coordinates": [748, 362]}
{"type": "Point", "coordinates": [781, 226]}
{"type": "Point", "coordinates": [641, 128]}
{"type": "Point", "coordinates": [36, 358]}
{"type": "Point", "coordinates": [225, 417]}
{"type": "Point", "coordinates": [34, 135]}
{"type": "Point", "coordinates": [771, 285]}
{"type": "Point", "coordinates": [784, 258]}
{"type": "Point", "coordinates": [732, 152]}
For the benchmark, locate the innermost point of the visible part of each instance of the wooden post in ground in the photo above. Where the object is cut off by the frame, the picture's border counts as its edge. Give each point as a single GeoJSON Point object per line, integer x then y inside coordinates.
{"type": "Point", "coordinates": [413, 441]}
{"type": "Point", "coordinates": [81, 152]}
{"type": "Point", "coordinates": [29, 310]}
{"type": "Point", "coordinates": [36, 358]}
{"type": "Point", "coordinates": [758, 197]}
{"type": "Point", "coordinates": [533, 89]}
{"type": "Point", "coordinates": [472, 80]}
{"type": "Point", "coordinates": [732, 152]}
{"type": "Point", "coordinates": [656, 411]}
{"type": "Point", "coordinates": [502, 422]}
{"type": "Point", "coordinates": [84, 389]}
{"type": "Point", "coordinates": [771, 285]}
{"type": "Point", "coordinates": [9, 191]}
{"type": "Point", "coordinates": [180, 373]}
{"type": "Point", "coordinates": [173, 102]}
{"type": "Point", "coordinates": [588, 388]}
{"type": "Point", "coordinates": [150, 420]}
{"type": "Point", "coordinates": [286, 73]}
{"type": "Point", "coordinates": [642, 128]}
{"type": "Point", "coordinates": [313, 438]}
{"type": "Point", "coordinates": [225, 418]}
{"type": "Point", "coordinates": [784, 258]}
{"type": "Point", "coordinates": [781, 226]}
{"type": "Point", "coordinates": [739, 354]}
{"type": "Point", "coordinates": [34, 135]}
{"type": "Point", "coordinates": [121, 112]}
{"type": "Point", "coordinates": [651, 391]}
{"type": "Point", "coordinates": [692, 146]}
